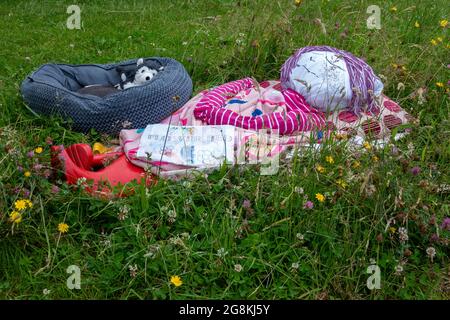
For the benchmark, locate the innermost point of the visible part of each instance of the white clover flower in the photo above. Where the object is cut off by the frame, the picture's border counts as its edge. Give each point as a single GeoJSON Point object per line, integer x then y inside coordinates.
{"type": "Point", "coordinates": [238, 267]}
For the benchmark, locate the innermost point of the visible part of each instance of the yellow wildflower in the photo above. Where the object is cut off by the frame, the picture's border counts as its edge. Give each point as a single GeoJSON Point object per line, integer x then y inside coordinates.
{"type": "Point", "coordinates": [20, 205]}
{"type": "Point", "coordinates": [298, 2]}
{"type": "Point", "coordinates": [433, 42]}
{"type": "Point", "coordinates": [28, 203]}
{"type": "Point", "coordinates": [341, 183]}
{"type": "Point", "coordinates": [63, 227]}
{"type": "Point", "coordinates": [393, 9]}
{"type": "Point", "coordinates": [356, 164]}
{"type": "Point", "coordinates": [367, 145]}
{"type": "Point", "coordinates": [392, 230]}
{"type": "Point", "coordinates": [440, 84]}
{"type": "Point", "coordinates": [329, 159]}
{"type": "Point", "coordinates": [176, 281]}
{"type": "Point", "coordinates": [439, 39]}
{"type": "Point", "coordinates": [320, 197]}
{"type": "Point", "coordinates": [417, 24]}
{"type": "Point", "coordinates": [375, 159]}
{"type": "Point", "coordinates": [443, 23]}
{"type": "Point", "coordinates": [320, 169]}
{"type": "Point", "coordinates": [27, 174]}
{"type": "Point", "coordinates": [38, 150]}
{"type": "Point", "coordinates": [15, 217]}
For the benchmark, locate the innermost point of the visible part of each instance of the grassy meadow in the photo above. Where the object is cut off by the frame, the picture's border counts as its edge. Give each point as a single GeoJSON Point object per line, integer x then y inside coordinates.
{"type": "Point", "coordinates": [231, 234]}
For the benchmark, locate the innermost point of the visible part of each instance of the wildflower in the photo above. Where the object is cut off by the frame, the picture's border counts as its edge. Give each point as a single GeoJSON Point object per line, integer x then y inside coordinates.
{"type": "Point", "coordinates": [341, 183]}
{"type": "Point", "coordinates": [443, 23]}
{"type": "Point", "coordinates": [398, 269]}
{"type": "Point", "coordinates": [433, 42]}
{"type": "Point", "coordinates": [63, 227]}
{"type": "Point", "coordinates": [222, 253]}
{"type": "Point", "coordinates": [176, 281]}
{"type": "Point", "coordinates": [299, 190]}
{"type": "Point", "coordinates": [246, 204]}
{"type": "Point", "coordinates": [45, 292]}
{"type": "Point", "coordinates": [300, 236]}
{"type": "Point", "coordinates": [329, 159]}
{"type": "Point", "coordinates": [133, 270]}
{"type": "Point", "coordinates": [15, 217]}
{"type": "Point", "coordinates": [392, 230]}
{"type": "Point", "coordinates": [367, 145]}
{"type": "Point", "coordinates": [30, 154]}
{"type": "Point", "coordinates": [439, 84]}
{"type": "Point", "coordinates": [356, 164]}
{"type": "Point", "coordinates": [298, 2]}
{"type": "Point", "coordinates": [320, 169]}
{"type": "Point", "coordinates": [375, 159]}
{"type": "Point", "coordinates": [27, 174]}
{"type": "Point", "coordinates": [434, 238]}
{"type": "Point", "coordinates": [295, 265]}
{"type": "Point", "coordinates": [55, 189]}
{"type": "Point", "coordinates": [403, 235]}
{"type": "Point", "coordinates": [38, 150]}
{"type": "Point", "coordinates": [431, 252]}
{"type": "Point", "coordinates": [238, 267]}
{"type": "Point", "coordinates": [415, 171]}
{"type": "Point", "coordinates": [123, 212]}
{"type": "Point", "coordinates": [20, 205]}
{"type": "Point", "coordinates": [308, 205]}
{"type": "Point", "coordinates": [320, 197]}
{"type": "Point", "coordinates": [417, 24]}
{"type": "Point", "coordinates": [171, 216]}
{"type": "Point", "coordinates": [393, 9]}
{"type": "Point", "coordinates": [439, 39]}
{"type": "Point", "coordinates": [446, 224]}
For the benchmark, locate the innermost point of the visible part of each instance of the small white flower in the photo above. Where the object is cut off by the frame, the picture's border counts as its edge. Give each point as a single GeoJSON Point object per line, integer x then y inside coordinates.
{"type": "Point", "coordinates": [46, 292]}
{"type": "Point", "coordinates": [71, 45]}
{"type": "Point", "coordinates": [133, 270]}
{"type": "Point", "coordinates": [295, 265]}
{"type": "Point", "coordinates": [399, 269]}
{"type": "Point", "coordinates": [300, 236]}
{"type": "Point", "coordinates": [238, 267]}
{"type": "Point", "coordinates": [222, 253]}
{"type": "Point", "coordinates": [184, 43]}
{"type": "Point", "coordinates": [299, 190]}
{"type": "Point", "coordinates": [431, 252]}
{"type": "Point", "coordinates": [81, 181]}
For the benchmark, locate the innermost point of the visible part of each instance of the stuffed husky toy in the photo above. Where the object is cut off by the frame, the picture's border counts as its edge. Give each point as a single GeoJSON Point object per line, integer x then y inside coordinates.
{"type": "Point", "coordinates": [136, 76]}
{"type": "Point", "coordinates": [129, 77]}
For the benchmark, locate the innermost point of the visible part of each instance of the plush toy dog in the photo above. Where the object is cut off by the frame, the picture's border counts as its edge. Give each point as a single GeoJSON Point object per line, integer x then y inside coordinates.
{"type": "Point", "coordinates": [136, 76]}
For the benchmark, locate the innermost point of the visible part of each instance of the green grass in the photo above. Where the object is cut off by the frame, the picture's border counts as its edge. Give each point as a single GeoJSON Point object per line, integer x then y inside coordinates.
{"type": "Point", "coordinates": [340, 236]}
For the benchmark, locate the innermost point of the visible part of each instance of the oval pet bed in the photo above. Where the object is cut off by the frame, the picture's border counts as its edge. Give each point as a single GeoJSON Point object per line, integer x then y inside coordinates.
{"type": "Point", "coordinates": [52, 89]}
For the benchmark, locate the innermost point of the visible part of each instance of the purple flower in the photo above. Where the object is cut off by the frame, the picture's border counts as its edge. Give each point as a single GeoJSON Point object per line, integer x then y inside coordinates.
{"type": "Point", "coordinates": [434, 237]}
{"type": "Point", "coordinates": [446, 224]}
{"type": "Point", "coordinates": [246, 204]}
{"type": "Point", "coordinates": [47, 173]}
{"type": "Point", "coordinates": [394, 151]}
{"type": "Point", "coordinates": [49, 141]}
{"type": "Point", "coordinates": [30, 154]}
{"type": "Point", "coordinates": [37, 167]}
{"type": "Point", "coordinates": [26, 193]}
{"type": "Point", "coordinates": [55, 189]}
{"type": "Point", "coordinates": [415, 171]}
{"type": "Point", "coordinates": [308, 205]}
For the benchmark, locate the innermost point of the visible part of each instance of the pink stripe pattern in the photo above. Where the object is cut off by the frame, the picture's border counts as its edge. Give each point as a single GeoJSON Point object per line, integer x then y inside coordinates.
{"type": "Point", "coordinates": [298, 114]}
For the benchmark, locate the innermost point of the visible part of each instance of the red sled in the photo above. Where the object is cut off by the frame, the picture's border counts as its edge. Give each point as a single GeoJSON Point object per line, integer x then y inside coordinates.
{"type": "Point", "coordinates": [102, 174]}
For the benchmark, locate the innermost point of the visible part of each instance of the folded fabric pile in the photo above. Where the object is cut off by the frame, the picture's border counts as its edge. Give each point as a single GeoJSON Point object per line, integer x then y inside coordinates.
{"type": "Point", "coordinates": [267, 120]}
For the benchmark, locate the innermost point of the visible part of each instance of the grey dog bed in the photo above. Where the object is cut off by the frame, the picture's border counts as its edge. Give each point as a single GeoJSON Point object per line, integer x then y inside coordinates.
{"type": "Point", "coordinates": [52, 89]}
